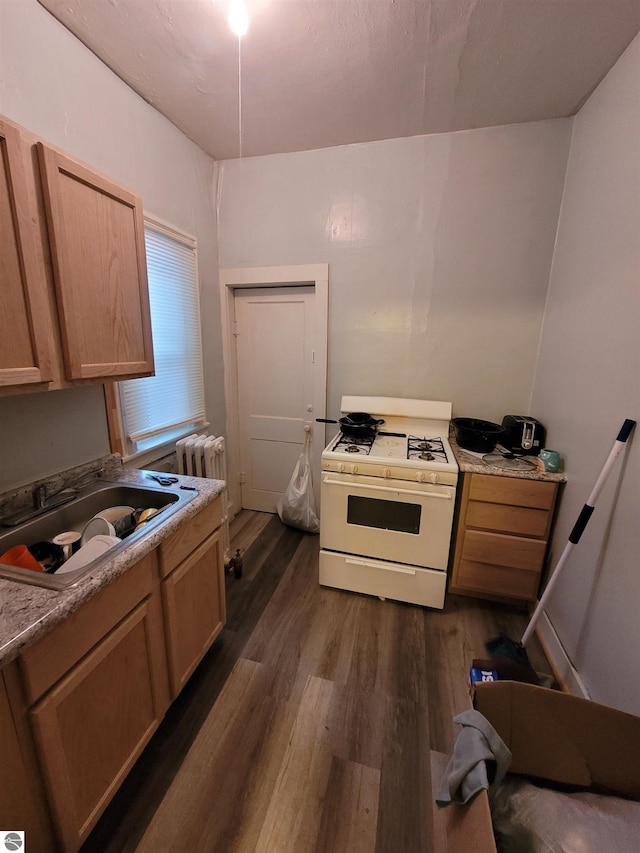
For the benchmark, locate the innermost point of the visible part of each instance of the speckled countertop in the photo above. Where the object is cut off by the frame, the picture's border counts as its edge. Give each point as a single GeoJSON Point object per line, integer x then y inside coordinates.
{"type": "Point", "coordinates": [472, 463]}
{"type": "Point", "coordinates": [28, 612]}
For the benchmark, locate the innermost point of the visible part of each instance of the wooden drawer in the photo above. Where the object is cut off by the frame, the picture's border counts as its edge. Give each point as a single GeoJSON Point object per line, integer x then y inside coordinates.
{"type": "Point", "coordinates": [185, 540]}
{"type": "Point", "coordinates": [502, 536]}
{"type": "Point", "coordinates": [47, 661]}
{"type": "Point", "coordinates": [484, 577]}
{"type": "Point", "coordinates": [513, 552]}
{"type": "Point", "coordinates": [513, 491]}
{"type": "Point", "coordinates": [412, 584]}
{"type": "Point", "coordinates": [508, 519]}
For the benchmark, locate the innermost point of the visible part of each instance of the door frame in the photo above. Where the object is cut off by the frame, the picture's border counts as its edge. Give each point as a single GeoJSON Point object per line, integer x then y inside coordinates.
{"type": "Point", "coordinates": [242, 278]}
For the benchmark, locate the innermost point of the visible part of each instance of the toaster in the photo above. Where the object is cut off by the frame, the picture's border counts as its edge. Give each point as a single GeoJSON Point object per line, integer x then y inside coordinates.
{"type": "Point", "coordinates": [522, 434]}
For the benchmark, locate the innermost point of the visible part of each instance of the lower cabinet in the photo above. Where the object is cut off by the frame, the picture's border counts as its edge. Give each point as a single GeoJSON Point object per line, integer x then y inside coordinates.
{"type": "Point", "coordinates": [502, 535]}
{"type": "Point", "coordinates": [86, 699]}
{"type": "Point", "coordinates": [92, 726]}
{"type": "Point", "coordinates": [22, 801]}
{"type": "Point", "coordinates": [194, 609]}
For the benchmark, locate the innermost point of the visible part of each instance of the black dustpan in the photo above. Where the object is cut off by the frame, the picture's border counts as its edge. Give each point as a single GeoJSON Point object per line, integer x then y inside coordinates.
{"type": "Point", "coordinates": [503, 646]}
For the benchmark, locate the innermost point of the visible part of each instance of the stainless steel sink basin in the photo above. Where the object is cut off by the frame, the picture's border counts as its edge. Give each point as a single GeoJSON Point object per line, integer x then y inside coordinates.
{"type": "Point", "coordinates": [75, 514]}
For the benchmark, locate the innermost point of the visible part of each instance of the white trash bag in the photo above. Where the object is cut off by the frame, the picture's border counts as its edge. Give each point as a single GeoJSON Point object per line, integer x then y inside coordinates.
{"type": "Point", "coordinates": [297, 506]}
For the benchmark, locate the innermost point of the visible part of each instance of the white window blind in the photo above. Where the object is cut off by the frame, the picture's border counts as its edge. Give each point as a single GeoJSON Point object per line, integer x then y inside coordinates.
{"type": "Point", "coordinates": [156, 409]}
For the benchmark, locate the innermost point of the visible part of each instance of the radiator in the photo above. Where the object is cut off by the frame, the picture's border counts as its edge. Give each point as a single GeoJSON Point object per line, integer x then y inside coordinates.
{"type": "Point", "coordinates": [205, 456]}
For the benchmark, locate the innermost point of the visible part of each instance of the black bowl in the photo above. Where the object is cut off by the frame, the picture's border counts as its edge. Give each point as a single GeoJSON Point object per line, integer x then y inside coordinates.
{"type": "Point", "coordinates": [49, 555]}
{"type": "Point", "coordinates": [477, 435]}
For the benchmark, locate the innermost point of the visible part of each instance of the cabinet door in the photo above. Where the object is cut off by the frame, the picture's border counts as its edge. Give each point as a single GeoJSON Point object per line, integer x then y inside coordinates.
{"type": "Point", "coordinates": [25, 337]}
{"type": "Point", "coordinates": [92, 726]}
{"type": "Point", "coordinates": [194, 607]}
{"type": "Point", "coordinates": [21, 799]}
{"type": "Point", "coordinates": [96, 235]}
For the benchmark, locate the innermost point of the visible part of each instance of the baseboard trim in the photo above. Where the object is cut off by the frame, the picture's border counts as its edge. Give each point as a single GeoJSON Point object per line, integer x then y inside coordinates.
{"type": "Point", "coordinates": [564, 672]}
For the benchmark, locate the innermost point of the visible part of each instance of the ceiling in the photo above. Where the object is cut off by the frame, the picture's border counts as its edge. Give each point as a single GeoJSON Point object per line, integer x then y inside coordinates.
{"type": "Point", "coordinates": [319, 73]}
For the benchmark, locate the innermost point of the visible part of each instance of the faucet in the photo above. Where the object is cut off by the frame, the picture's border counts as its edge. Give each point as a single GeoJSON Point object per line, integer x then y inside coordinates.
{"type": "Point", "coordinates": [40, 496]}
{"type": "Point", "coordinates": [43, 502]}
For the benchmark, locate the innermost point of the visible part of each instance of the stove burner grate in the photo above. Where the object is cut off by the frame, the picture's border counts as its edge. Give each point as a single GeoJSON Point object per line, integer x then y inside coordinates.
{"type": "Point", "coordinates": [426, 449]}
{"type": "Point", "coordinates": [354, 444]}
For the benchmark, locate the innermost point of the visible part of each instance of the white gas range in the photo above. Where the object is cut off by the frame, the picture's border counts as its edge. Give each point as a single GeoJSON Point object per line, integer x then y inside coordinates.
{"type": "Point", "coordinates": [387, 502]}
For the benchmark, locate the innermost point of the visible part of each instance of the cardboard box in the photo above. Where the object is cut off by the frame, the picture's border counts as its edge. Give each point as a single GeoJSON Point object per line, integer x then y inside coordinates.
{"type": "Point", "coordinates": [553, 736]}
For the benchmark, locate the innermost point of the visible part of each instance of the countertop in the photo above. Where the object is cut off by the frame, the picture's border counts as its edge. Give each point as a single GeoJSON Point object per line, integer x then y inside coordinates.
{"type": "Point", "coordinates": [472, 463]}
{"type": "Point", "coordinates": [29, 612]}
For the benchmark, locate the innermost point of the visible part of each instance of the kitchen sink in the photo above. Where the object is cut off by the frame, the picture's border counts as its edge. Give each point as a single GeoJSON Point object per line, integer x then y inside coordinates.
{"type": "Point", "coordinates": [75, 514]}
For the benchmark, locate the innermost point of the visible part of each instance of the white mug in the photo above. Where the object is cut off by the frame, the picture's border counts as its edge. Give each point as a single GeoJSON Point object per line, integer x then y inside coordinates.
{"type": "Point", "coordinates": [69, 541]}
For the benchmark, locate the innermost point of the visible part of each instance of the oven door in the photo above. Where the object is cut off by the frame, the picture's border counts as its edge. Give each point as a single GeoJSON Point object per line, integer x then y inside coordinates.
{"type": "Point", "coordinates": [396, 520]}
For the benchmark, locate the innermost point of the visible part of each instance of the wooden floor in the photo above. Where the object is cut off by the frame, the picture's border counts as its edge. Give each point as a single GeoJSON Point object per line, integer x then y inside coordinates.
{"type": "Point", "coordinates": [315, 723]}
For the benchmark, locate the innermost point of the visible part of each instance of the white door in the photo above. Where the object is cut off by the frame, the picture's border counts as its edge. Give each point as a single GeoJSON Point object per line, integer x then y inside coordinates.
{"type": "Point", "coordinates": [274, 332]}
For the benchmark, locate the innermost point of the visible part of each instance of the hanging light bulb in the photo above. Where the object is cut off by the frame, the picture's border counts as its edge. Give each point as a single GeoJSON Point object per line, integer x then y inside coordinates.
{"type": "Point", "coordinates": [238, 17]}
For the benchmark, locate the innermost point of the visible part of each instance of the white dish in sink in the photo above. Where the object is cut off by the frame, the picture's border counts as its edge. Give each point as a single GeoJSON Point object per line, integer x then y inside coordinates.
{"type": "Point", "coordinates": [95, 547]}
{"type": "Point", "coordinates": [98, 526]}
{"type": "Point", "coordinates": [113, 513]}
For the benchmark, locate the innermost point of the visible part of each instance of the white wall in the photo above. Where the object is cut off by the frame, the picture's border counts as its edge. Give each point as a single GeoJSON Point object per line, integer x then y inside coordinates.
{"type": "Point", "coordinates": [55, 87]}
{"type": "Point", "coordinates": [439, 250]}
{"type": "Point", "coordinates": [588, 381]}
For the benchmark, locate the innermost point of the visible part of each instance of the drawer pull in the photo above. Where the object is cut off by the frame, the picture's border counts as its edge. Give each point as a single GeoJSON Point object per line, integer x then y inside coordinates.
{"type": "Point", "coordinates": [383, 566]}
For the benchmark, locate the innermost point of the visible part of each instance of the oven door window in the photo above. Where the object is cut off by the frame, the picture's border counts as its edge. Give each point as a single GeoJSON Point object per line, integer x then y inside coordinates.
{"type": "Point", "coordinates": [385, 515]}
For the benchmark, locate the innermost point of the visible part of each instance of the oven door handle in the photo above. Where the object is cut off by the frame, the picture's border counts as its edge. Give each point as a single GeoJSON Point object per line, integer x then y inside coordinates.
{"type": "Point", "coordinates": [383, 566]}
{"type": "Point", "coordinates": [415, 493]}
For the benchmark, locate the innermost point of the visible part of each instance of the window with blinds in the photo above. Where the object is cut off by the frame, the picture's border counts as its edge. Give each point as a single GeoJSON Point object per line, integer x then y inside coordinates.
{"type": "Point", "coordinates": [158, 409]}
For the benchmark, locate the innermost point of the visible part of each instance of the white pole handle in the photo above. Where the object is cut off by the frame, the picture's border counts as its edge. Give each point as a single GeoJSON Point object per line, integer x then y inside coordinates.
{"type": "Point", "coordinates": [579, 526]}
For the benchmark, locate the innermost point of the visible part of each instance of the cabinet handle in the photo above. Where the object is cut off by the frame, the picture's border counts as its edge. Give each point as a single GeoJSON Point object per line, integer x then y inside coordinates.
{"type": "Point", "coordinates": [383, 566]}
{"type": "Point", "coordinates": [446, 496]}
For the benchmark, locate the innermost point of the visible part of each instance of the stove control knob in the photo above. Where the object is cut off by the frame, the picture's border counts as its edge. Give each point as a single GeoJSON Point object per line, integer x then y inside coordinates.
{"type": "Point", "coordinates": [386, 472]}
{"type": "Point", "coordinates": [341, 467]}
{"type": "Point", "coordinates": [435, 478]}
{"type": "Point", "coordinates": [354, 469]}
{"type": "Point", "coordinates": [420, 477]}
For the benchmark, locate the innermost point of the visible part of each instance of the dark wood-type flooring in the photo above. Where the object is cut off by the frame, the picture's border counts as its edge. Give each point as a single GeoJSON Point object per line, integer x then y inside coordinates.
{"type": "Point", "coordinates": [316, 722]}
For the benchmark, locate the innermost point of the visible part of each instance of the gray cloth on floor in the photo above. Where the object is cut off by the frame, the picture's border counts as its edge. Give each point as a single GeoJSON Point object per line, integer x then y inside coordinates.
{"type": "Point", "coordinates": [467, 771]}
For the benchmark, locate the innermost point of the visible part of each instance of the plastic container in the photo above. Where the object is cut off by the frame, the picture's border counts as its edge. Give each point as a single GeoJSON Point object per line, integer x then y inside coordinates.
{"type": "Point", "coordinates": [21, 556]}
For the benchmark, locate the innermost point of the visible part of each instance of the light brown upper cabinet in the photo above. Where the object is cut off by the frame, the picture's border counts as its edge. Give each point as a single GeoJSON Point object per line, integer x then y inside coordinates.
{"type": "Point", "coordinates": [96, 234]}
{"type": "Point", "coordinates": [26, 349]}
{"type": "Point", "coordinates": [74, 273]}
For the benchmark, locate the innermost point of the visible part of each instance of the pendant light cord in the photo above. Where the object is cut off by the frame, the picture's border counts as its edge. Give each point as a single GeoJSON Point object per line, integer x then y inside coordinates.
{"type": "Point", "coordinates": [240, 96]}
